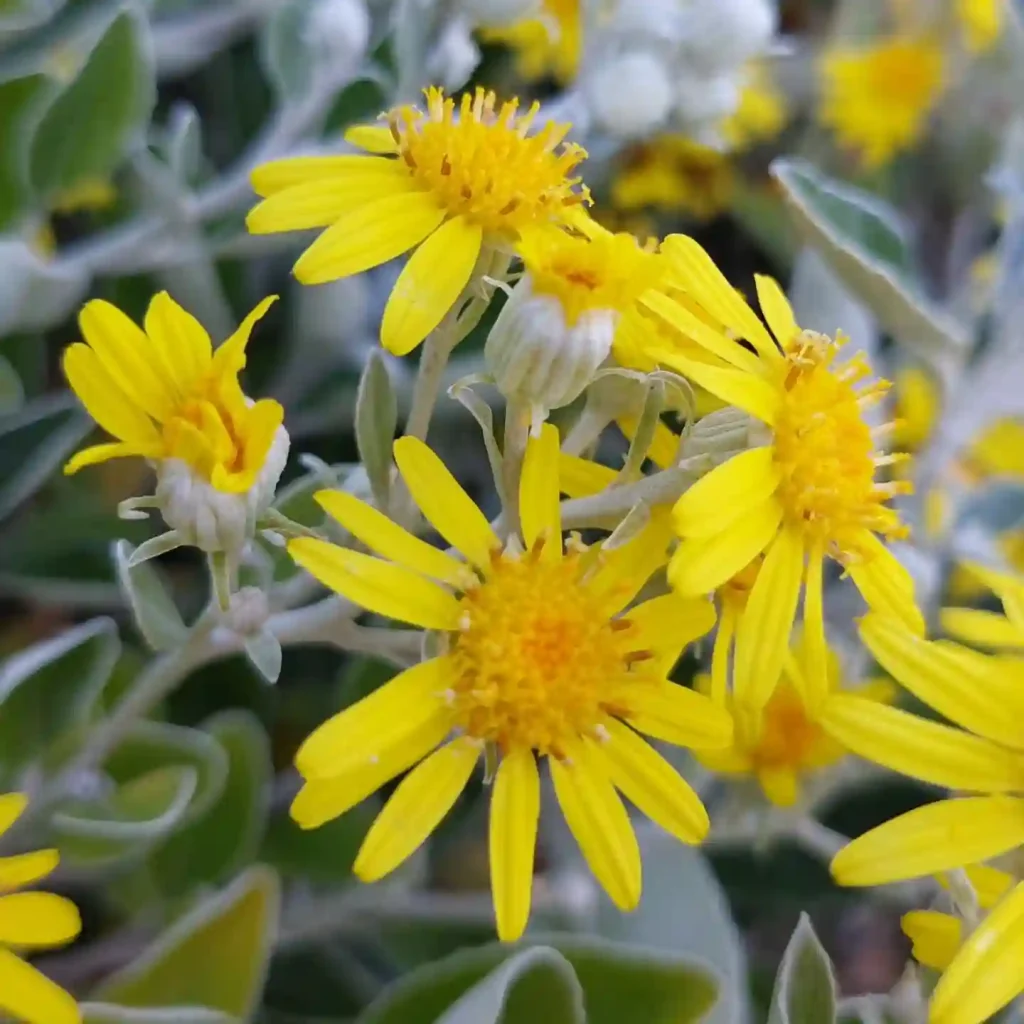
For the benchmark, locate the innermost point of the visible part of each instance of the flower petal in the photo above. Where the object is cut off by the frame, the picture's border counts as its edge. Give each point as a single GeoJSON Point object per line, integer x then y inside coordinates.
{"type": "Point", "coordinates": [937, 837]}
{"type": "Point", "coordinates": [780, 785]}
{"type": "Point", "coordinates": [766, 624]}
{"type": "Point", "coordinates": [444, 504]}
{"type": "Point", "coordinates": [924, 750]}
{"type": "Point", "coordinates": [935, 937]}
{"type": "Point", "coordinates": [416, 808]}
{"type": "Point", "coordinates": [735, 387]}
{"type": "Point", "coordinates": [666, 624]}
{"type": "Point", "coordinates": [369, 236]}
{"type": "Point", "coordinates": [580, 478]}
{"type": "Point", "coordinates": [813, 679]}
{"type": "Point", "coordinates": [721, 497]}
{"type": "Point", "coordinates": [178, 342]}
{"type": "Point", "coordinates": [701, 565]}
{"type": "Point", "coordinates": [26, 868]}
{"type": "Point", "coordinates": [776, 309]}
{"type": "Point", "coordinates": [373, 138]}
{"type": "Point", "coordinates": [600, 824]}
{"type": "Point", "coordinates": [12, 806]}
{"type": "Point", "coordinates": [885, 584]}
{"type": "Point", "coordinates": [96, 453]}
{"type": "Point", "coordinates": [968, 688]}
{"type": "Point", "coordinates": [539, 511]}
{"type": "Point", "coordinates": [378, 586]}
{"type": "Point", "coordinates": [278, 175]}
{"type": "Point", "coordinates": [650, 782]}
{"type": "Point", "coordinates": [359, 733]}
{"type": "Point", "coordinates": [515, 812]}
{"type": "Point", "coordinates": [1008, 588]}
{"type": "Point", "coordinates": [31, 997]}
{"type": "Point", "coordinates": [982, 629]}
{"type": "Point", "coordinates": [37, 920]}
{"type": "Point", "coordinates": [230, 355]}
{"type": "Point", "coordinates": [390, 540]}
{"type": "Point", "coordinates": [430, 284]}
{"type": "Point", "coordinates": [673, 713]}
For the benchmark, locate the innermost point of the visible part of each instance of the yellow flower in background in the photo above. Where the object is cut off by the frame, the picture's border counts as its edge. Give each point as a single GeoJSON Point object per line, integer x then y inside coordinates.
{"type": "Point", "coordinates": [877, 99]}
{"type": "Point", "coordinates": [806, 494]}
{"type": "Point", "coordinates": [998, 450]}
{"type": "Point", "coordinates": [31, 921]}
{"type": "Point", "coordinates": [454, 183]}
{"type": "Point", "coordinates": [916, 406]}
{"type": "Point", "coordinates": [981, 22]}
{"type": "Point", "coordinates": [541, 658]}
{"type": "Point", "coordinates": [674, 173]}
{"type": "Point", "coordinates": [761, 112]}
{"type": "Point", "coordinates": [549, 43]}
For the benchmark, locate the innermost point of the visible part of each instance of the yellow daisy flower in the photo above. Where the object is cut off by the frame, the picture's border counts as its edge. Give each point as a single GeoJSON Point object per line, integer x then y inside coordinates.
{"type": "Point", "coordinates": [540, 658]}
{"type": "Point", "coordinates": [806, 494]}
{"type": "Point", "coordinates": [761, 113]}
{"type": "Point", "coordinates": [981, 22]}
{"type": "Point", "coordinates": [454, 183]}
{"type": "Point", "coordinates": [675, 173]}
{"type": "Point", "coordinates": [877, 98]}
{"type": "Point", "coordinates": [549, 43]}
{"type": "Point", "coordinates": [30, 921]}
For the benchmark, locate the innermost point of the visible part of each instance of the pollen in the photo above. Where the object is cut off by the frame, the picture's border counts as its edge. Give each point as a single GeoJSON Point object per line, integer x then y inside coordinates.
{"type": "Point", "coordinates": [483, 164]}
{"type": "Point", "coordinates": [825, 449]}
{"type": "Point", "coordinates": [537, 657]}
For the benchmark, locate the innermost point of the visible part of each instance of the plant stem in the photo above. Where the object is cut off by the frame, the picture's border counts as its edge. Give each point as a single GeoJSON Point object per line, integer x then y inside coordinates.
{"type": "Point", "coordinates": [517, 430]}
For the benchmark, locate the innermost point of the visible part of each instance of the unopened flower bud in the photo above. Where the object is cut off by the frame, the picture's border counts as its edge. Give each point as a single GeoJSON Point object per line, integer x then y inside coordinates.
{"type": "Point", "coordinates": [338, 32]}
{"type": "Point", "coordinates": [455, 57]}
{"type": "Point", "coordinates": [630, 95]}
{"type": "Point", "coordinates": [726, 34]}
{"type": "Point", "coordinates": [703, 101]}
{"type": "Point", "coordinates": [248, 612]}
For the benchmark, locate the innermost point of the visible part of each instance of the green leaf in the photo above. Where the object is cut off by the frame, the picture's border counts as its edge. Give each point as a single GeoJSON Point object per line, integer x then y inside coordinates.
{"type": "Point", "coordinates": [12, 393]}
{"type": "Point", "coordinates": [864, 242]}
{"type": "Point", "coordinates": [228, 835]}
{"type": "Point", "coordinates": [107, 1013]}
{"type": "Point", "coordinates": [376, 418]}
{"type": "Point", "coordinates": [805, 987]}
{"type": "Point", "coordinates": [263, 650]}
{"type": "Point", "coordinates": [21, 102]}
{"type": "Point", "coordinates": [615, 980]}
{"type": "Point", "coordinates": [86, 130]}
{"type": "Point", "coordinates": [50, 688]}
{"type": "Point", "coordinates": [284, 53]}
{"type": "Point", "coordinates": [156, 615]}
{"type": "Point", "coordinates": [214, 956]}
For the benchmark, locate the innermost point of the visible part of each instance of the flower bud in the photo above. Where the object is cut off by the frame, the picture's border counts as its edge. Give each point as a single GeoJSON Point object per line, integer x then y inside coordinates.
{"type": "Point", "coordinates": [338, 31]}
{"type": "Point", "coordinates": [704, 101]}
{"type": "Point", "coordinates": [630, 95]}
{"type": "Point", "coordinates": [455, 57]}
{"type": "Point", "coordinates": [726, 34]}
{"type": "Point", "coordinates": [248, 612]}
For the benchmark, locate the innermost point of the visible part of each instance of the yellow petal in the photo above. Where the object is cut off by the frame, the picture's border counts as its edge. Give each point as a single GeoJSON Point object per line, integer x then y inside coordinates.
{"type": "Point", "coordinates": [390, 540]}
{"type": "Point", "coordinates": [262, 421]}
{"type": "Point", "coordinates": [990, 884]}
{"type": "Point", "coordinates": [701, 565]}
{"type": "Point", "coordinates": [666, 624]}
{"type": "Point", "coordinates": [230, 355]}
{"type": "Point", "coordinates": [600, 824]}
{"type": "Point", "coordinates": [37, 920]}
{"type": "Point", "coordinates": [650, 782]}
{"type": "Point", "coordinates": [886, 585]}
{"type": "Point", "coordinates": [539, 512]}
{"type": "Point", "coordinates": [515, 811]}
{"type": "Point", "coordinates": [985, 975]}
{"type": "Point", "coordinates": [320, 202]}
{"type": "Point", "coordinates": [937, 837]}
{"type": "Point", "coordinates": [813, 680]}
{"type": "Point", "coordinates": [31, 996]}
{"type": "Point", "coordinates": [96, 453]}
{"type": "Point", "coordinates": [765, 625]}
{"type": "Point", "coordinates": [968, 688]}
{"type": "Point", "coordinates": [721, 497]}
{"type": "Point", "coordinates": [776, 309]}
{"type": "Point", "coordinates": [935, 937]}
{"type": "Point", "coordinates": [25, 868]}
{"type": "Point", "coordinates": [369, 236]}
{"type": "Point", "coordinates": [179, 343]}
{"type": "Point", "coordinates": [278, 175]}
{"type": "Point", "coordinates": [444, 504]}
{"type": "Point", "coordinates": [622, 571]}
{"type": "Point", "coordinates": [580, 478]}
{"type": "Point", "coordinates": [104, 400]}
{"type": "Point", "coordinates": [376, 585]}
{"type": "Point", "coordinates": [675, 714]}
{"type": "Point", "coordinates": [127, 355]}
{"type": "Point", "coordinates": [430, 284]}
{"type": "Point", "coordinates": [361, 732]}
{"type": "Point", "coordinates": [1008, 588]}
{"type": "Point", "coordinates": [780, 785]}
{"type": "Point", "coordinates": [371, 137]}
{"type": "Point", "coordinates": [12, 805]}
{"type": "Point", "coordinates": [924, 750]}
{"type": "Point", "coordinates": [321, 800]}
{"type": "Point", "coordinates": [734, 387]}
{"type": "Point", "coordinates": [416, 808]}
{"type": "Point", "coordinates": [981, 628]}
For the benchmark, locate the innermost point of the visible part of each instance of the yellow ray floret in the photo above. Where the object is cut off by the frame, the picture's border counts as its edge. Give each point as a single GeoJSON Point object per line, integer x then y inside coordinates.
{"type": "Point", "coordinates": [164, 393]}
{"type": "Point", "coordinates": [542, 658]}
{"type": "Point", "coordinates": [548, 43]}
{"type": "Point", "coordinates": [31, 921]}
{"type": "Point", "coordinates": [877, 99]}
{"type": "Point", "coordinates": [449, 182]}
{"type": "Point", "coordinates": [981, 22]}
{"type": "Point", "coordinates": [807, 494]}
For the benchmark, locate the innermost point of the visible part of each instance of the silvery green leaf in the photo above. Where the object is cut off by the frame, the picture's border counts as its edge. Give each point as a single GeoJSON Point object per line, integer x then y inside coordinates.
{"type": "Point", "coordinates": [36, 293]}
{"type": "Point", "coordinates": [19, 15]}
{"type": "Point", "coordinates": [108, 1013]}
{"type": "Point", "coordinates": [283, 52]}
{"type": "Point", "coordinates": [263, 649]}
{"type": "Point", "coordinates": [805, 987]}
{"type": "Point", "coordinates": [12, 394]}
{"type": "Point", "coordinates": [154, 548]}
{"type": "Point", "coordinates": [376, 417]}
{"type": "Point", "coordinates": [462, 391]}
{"type": "Point", "coordinates": [183, 142]}
{"type": "Point", "coordinates": [156, 615]}
{"type": "Point", "coordinates": [22, 101]}
{"type": "Point", "coordinates": [864, 242]}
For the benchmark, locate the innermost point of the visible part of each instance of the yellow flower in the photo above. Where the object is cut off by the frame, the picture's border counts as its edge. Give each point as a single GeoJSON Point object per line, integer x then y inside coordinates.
{"type": "Point", "coordinates": [677, 174]}
{"type": "Point", "coordinates": [551, 42]}
{"type": "Point", "coordinates": [877, 99]}
{"type": "Point", "coordinates": [981, 22]}
{"type": "Point", "coordinates": [761, 113]}
{"type": "Point", "coordinates": [31, 921]}
{"type": "Point", "coordinates": [916, 407]}
{"type": "Point", "coordinates": [807, 493]}
{"type": "Point", "coordinates": [91, 194]}
{"type": "Point", "coordinates": [165, 394]}
{"type": "Point", "coordinates": [454, 184]}
{"type": "Point", "coordinates": [540, 658]}
{"type": "Point", "coordinates": [997, 451]}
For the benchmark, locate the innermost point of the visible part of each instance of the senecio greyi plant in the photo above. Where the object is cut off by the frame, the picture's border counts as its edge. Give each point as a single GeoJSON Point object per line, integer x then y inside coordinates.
{"type": "Point", "coordinates": [708, 558]}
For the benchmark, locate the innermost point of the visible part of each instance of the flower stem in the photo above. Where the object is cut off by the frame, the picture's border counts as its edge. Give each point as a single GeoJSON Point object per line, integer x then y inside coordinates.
{"type": "Point", "coordinates": [517, 430]}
